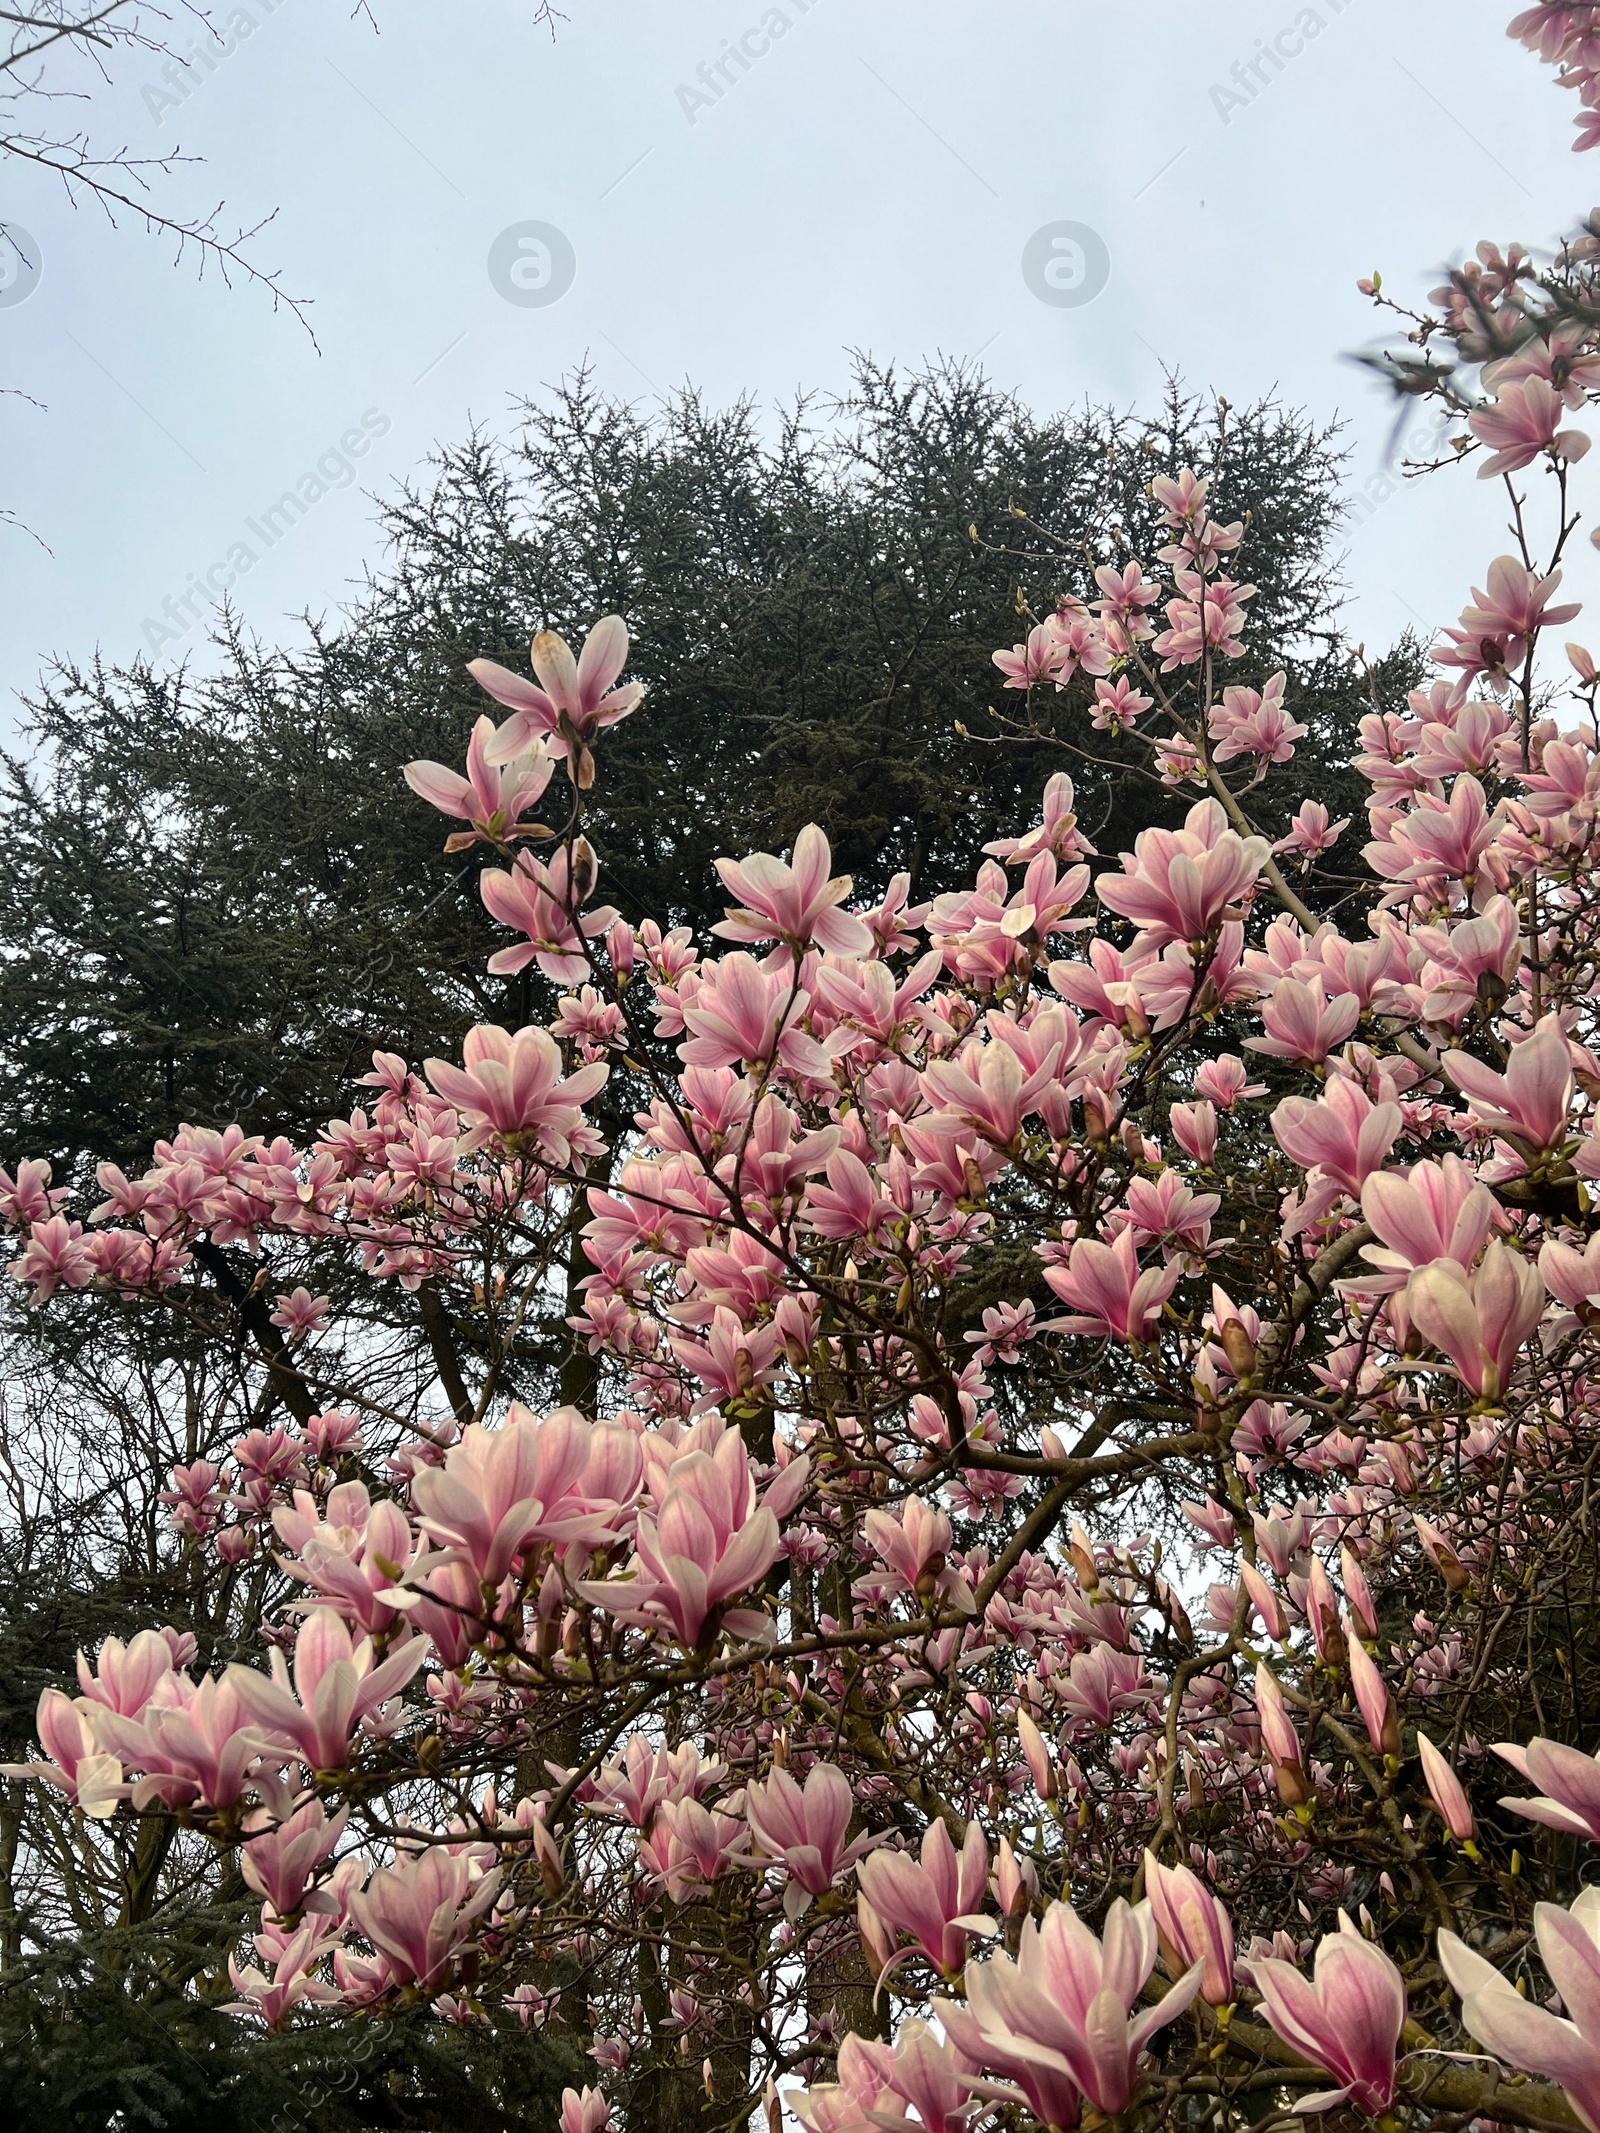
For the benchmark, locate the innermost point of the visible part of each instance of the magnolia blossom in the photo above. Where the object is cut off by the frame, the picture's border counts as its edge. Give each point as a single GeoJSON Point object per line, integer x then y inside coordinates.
{"type": "Point", "coordinates": [513, 1085]}
{"type": "Point", "coordinates": [805, 1827]}
{"type": "Point", "coordinates": [1527, 1105]}
{"type": "Point", "coordinates": [543, 901]}
{"type": "Point", "coordinates": [709, 1541]}
{"type": "Point", "coordinates": [1569, 1783]}
{"type": "Point", "coordinates": [1254, 723]}
{"type": "Point", "coordinates": [575, 698]}
{"type": "Point", "coordinates": [934, 1902]}
{"type": "Point", "coordinates": [1524, 421]}
{"type": "Point", "coordinates": [1177, 885]}
{"type": "Point", "coordinates": [337, 1682]}
{"type": "Point", "coordinates": [1194, 1927]}
{"type": "Point", "coordinates": [1058, 2022]}
{"type": "Point", "coordinates": [1566, 2050]}
{"type": "Point", "coordinates": [1445, 1790]}
{"type": "Point", "coordinates": [1113, 1297]}
{"type": "Point", "coordinates": [1493, 637]}
{"type": "Point", "coordinates": [1347, 2020]}
{"type": "Point", "coordinates": [797, 904]}
{"type": "Point", "coordinates": [420, 1913]}
{"type": "Point", "coordinates": [555, 1479]}
{"type": "Point", "coordinates": [1479, 1320]}
{"type": "Point", "coordinates": [493, 794]}
{"type": "Point", "coordinates": [1311, 831]}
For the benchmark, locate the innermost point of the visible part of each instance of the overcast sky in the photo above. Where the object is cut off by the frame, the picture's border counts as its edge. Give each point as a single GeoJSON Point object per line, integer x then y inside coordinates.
{"type": "Point", "coordinates": [864, 174]}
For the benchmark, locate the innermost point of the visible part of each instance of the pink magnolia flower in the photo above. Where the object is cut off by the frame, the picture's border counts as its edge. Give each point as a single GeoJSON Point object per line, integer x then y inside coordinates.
{"type": "Point", "coordinates": [1194, 1128]}
{"type": "Point", "coordinates": [1194, 1926]}
{"type": "Point", "coordinates": [1481, 1320]}
{"type": "Point", "coordinates": [1007, 1328]}
{"type": "Point", "coordinates": [1522, 422]}
{"type": "Point", "coordinates": [1347, 2020]}
{"type": "Point", "coordinates": [1039, 659]}
{"type": "Point", "coordinates": [1252, 722]}
{"type": "Point", "coordinates": [27, 1198]}
{"type": "Point", "coordinates": [1036, 1754]}
{"type": "Point", "coordinates": [1372, 1697]}
{"type": "Point", "coordinates": [299, 1313]}
{"type": "Point", "coordinates": [850, 1204]}
{"type": "Point", "coordinates": [1054, 832]}
{"type": "Point", "coordinates": [880, 2083]}
{"type": "Point", "coordinates": [1437, 840]}
{"type": "Point", "coordinates": [1113, 1298]}
{"type": "Point", "coordinates": [280, 1859]}
{"type": "Point", "coordinates": [1459, 957]}
{"type": "Point", "coordinates": [710, 1540]}
{"type": "Point", "coordinates": [1279, 1738]}
{"type": "Point", "coordinates": [690, 1846]}
{"type": "Point", "coordinates": [1268, 1607]}
{"type": "Point", "coordinates": [1572, 1277]}
{"type": "Point", "coordinates": [1433, 1211]}
{"type": "Point", "coordinates": [1178, 885]}
{"type": "Point", "coordinates": [996, 1097]}
{"type": "Point", "coordinates": [1528, 2036]}
{"type": "Point", "coordinates": [1059, 2020]}
{"type": "Point", "coordinates": [913, 1543]}
{"type": "Point", "coordinates": [421, 1912]}
{"type": "Point", "coordinates": [1127, 595]}
{"type": "Point", "coordinates": [1226, 1082]}
{"type": "Point", "coordinates": [534, 1481]}
{"type": "Point", "coordinates": [1101, 1682]}
{"type": "Point", "coordinates": [1311, 833]}
{"type": "Point", "coordinates": [351, 1550]}
{"type": "Point", "coordinates": [575, 698]}
{"type": "Point", "coordinates": [490, 798]}
{"type": "Point", "coordinates": [1446, 1790]}
{"type": "Point", "coordinates": [1208, 616]}
{"type": "Point", "coordinates": [1165, 1210]}
{"type": "Point", "coordinates": [274, 1996]}
{"type": "Point", "coordinates": [125, 1676]}
{"type": "Point", "coordinates": [513, 1084]}
{"type": "Point", "coordinates": [1118, 705]}
{"type": "Point", "coordinates": [56, 1255]}
{"type": "Point", "coordinates": [585, 2113]}
{"type": "Point", "coordinates": [1527, 1105]}
{"type": "Point", "coordinates": [893, 924]}
{"type": "Point", "coordinates": [1302, 1024]}
{"type": "Point", "coordinates": [337, 1683]}
{"type": "Point", "coordinates": [634, 1784]}
{"type": "Point", "coordinates": [731, 1361]}
{"type": "Point", "coordinates": [746, 1013]}
{"type": "Point", "coordinates": [1081, 640]}
{"type": "Point", "coordinates": [199, 1748]}
{"type": "Point", "coordinates": [1345, 1134]}
{"type": "Point", "coordinates": [806, 1827]}
{"type": "Point", "coordinates": [1568, 1781]}
{"type": "Point", "coordinates": [797, 904]}
{"type": "Point", "coordinates": [1494, 634]}
{"type": "Point", "coordinates": [542, 900]}
{"type": "Point", "coordinates": [934, 1903]}
{"type": "Point", "coordinates": [77, 1765]}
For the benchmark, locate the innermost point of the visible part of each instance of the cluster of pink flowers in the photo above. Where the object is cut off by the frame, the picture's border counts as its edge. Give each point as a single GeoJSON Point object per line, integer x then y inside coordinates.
{"type": "Point", "coordinates": [1082, 1366]}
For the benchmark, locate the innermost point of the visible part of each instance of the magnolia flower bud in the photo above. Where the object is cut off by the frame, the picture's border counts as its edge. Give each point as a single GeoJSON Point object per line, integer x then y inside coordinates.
{"type": "Point", "coordinates": [1238, 1347]}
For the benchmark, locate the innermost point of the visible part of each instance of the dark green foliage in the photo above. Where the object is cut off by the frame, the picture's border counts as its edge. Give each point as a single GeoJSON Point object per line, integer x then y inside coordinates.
{"type": "Point", "coordinates": [109, 2033]}
{"type": "Point", "coordinates": [219, 896]}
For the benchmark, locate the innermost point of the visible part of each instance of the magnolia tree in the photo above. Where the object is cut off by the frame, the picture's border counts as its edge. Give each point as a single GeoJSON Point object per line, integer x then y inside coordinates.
{"type": "Point", "coordinates": [1077, 1597]}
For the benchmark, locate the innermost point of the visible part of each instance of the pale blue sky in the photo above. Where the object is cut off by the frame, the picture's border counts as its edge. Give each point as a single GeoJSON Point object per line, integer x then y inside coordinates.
{"type": "Point", "coordinates": [870, 180]}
